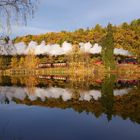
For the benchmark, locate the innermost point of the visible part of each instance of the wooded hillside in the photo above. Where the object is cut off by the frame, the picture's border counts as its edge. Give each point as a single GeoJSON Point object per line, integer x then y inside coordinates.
{"type": "Point", "coordinates": [126, 35]}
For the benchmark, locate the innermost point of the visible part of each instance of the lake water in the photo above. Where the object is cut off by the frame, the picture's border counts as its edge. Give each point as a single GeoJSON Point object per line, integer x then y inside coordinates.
{"type": "Point", "coordinates": [57, 108]}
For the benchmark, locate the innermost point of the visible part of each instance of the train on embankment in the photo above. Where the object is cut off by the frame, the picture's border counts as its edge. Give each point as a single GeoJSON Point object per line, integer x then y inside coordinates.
{"type": "Point", "coordinates": [52, 65]}
{"type": "Point", "coordinates": [118, 59]}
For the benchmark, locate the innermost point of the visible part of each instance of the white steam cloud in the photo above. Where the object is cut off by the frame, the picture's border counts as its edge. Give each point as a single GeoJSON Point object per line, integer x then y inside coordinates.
{"type": "Point", "coordinates": [54, 49]}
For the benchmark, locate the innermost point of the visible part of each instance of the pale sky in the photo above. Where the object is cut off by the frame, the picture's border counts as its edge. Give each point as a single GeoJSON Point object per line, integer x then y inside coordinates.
{"type": "Point", "coordinates": [57, 15]}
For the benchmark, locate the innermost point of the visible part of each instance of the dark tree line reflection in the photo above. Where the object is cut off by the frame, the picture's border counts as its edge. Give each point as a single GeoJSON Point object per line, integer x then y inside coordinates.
{"type": "Point", "coordinates": [98, 97]}
{"type": "Point", "coordinates": [107, 98]}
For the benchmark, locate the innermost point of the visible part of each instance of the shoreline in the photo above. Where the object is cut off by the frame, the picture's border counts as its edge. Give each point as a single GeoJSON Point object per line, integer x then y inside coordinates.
{"type": "Point", "coordinates": [95, 70]}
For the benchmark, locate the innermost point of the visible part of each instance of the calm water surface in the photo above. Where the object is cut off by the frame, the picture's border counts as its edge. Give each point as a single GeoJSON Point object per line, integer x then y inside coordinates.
{"type": "Point", "coordinates": [38, 108]}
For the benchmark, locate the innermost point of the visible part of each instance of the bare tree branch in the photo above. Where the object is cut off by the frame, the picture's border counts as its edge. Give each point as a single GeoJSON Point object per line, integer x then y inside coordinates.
{"type": "Point", "coordinates": [15, 12]}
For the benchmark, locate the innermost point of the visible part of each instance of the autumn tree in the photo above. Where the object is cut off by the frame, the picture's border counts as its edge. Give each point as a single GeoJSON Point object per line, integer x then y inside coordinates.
{"type": "Point", "coordinates": [22, 62]}
{"type": "Point", "coordinates": [1, 62]}
{"type": "Point", "coordinates": [98, 33]}
{"type": "Point", "coordinates": [31, 61]}
{"type": "Point", "coordinates": [73, 57]}
{"type": "Point", "coordinates": [14, 62]}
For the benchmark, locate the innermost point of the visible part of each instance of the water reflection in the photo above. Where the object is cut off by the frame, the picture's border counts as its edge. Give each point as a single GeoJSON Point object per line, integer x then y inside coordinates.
{"type": "Point", "coordinates": [110, 96]}
{"type": "Point", "coordinates": [107, 99]}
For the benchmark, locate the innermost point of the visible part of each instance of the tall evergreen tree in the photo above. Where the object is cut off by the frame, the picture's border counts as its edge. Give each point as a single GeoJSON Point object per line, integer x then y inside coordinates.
{"type": "Point", "coordinates": [108, 49]}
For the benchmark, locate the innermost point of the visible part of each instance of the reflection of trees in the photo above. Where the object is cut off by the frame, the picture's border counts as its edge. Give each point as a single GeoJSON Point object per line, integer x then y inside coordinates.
{"type": "Point", "coordinates": [126, 106]}
{"type": "Point", "coordinates": [80, 84]}
{"type": "Point", "coordinates": [5, 80]}
{"type": "Point", "coordinates": [15, 11]}
{"type": "Point", "coordinates": [107, 98]}
{"type": "Point", "coordinates": [31, 83]}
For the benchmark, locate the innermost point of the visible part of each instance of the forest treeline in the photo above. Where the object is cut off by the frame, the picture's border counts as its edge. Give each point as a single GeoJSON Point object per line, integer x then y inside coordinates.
{"type": "Point", "coordinates": [126, 36]}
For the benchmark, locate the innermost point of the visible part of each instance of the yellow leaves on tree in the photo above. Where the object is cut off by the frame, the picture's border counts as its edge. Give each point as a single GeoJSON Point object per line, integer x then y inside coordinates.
{"type": "Point", "coordinates": [31, 61]}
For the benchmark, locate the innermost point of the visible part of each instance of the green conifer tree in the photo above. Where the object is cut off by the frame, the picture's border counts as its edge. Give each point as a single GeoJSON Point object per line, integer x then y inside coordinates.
{"type": "Point", "coordinates": [108, 49]}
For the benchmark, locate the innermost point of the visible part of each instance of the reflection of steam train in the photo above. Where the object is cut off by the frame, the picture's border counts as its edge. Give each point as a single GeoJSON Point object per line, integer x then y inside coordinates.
{"type": "Point", "coordinates": [54, 77]}
{"type": "Point", "coordinates": [122, 83]}
{"type": "Point", "coordinates": [52, 65]}
{"type": "Point", "coordinates": [127, 83]}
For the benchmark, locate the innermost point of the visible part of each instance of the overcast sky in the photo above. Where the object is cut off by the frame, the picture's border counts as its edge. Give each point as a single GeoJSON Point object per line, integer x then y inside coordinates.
{"type": "Point", "coordinates": [57, 15]}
